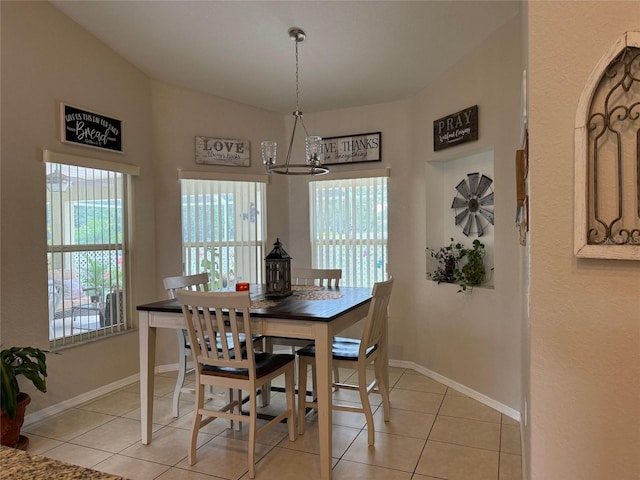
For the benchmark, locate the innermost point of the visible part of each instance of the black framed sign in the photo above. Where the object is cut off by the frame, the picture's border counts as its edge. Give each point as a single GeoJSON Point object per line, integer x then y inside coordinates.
{"type": "Point", "coordinates": [364, 147]}
{"type": "Point", "coordinates": [90, 129]}
{"type": "Point", "coordinates": [455, 129]}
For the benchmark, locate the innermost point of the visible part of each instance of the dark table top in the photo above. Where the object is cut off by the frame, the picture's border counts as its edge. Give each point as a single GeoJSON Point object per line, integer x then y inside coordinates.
{"type": "Point", "coordinates": [306, 303]}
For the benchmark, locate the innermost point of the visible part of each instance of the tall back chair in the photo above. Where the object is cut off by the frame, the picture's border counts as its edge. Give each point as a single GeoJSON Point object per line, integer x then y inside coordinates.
{"type": "Point", "coordinates": [198, 282]}
{"type": "Point", "coordinates": [205, 314]}
{"type": "Point", "coordinates": [329, 277]}
{"type": "Point", "coordinates": [355, 353]}
{"type": "Point", "coordinates": [316, 276]}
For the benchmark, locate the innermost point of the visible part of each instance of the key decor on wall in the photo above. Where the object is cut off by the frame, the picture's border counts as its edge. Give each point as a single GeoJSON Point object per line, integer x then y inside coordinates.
{"type": "Point", "coordinates": [223, 151]}
{"type": "Point", "coordinates": [90, 129]}
{"type": "Point", "coordinates": [455, 129]}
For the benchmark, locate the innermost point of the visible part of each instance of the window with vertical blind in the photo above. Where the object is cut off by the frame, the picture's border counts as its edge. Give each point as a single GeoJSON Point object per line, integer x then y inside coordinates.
{"type": "Point", "coordinates": [223, 230]}
{"type": "Point", "coordinates": [87, 247]}
{"type": "Point", "coordinates": [348, 220]}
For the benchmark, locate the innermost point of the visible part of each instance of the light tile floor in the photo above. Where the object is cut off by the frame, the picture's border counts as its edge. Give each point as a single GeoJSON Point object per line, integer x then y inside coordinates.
{"type": "Point", "coordinates": [434, 433]}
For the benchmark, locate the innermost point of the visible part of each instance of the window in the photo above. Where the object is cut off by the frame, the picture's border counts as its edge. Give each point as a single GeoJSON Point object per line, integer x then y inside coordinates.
{"type": "Point", "coordinates": [86, 211]}
{"type": "Point", "coordinates": [348, 221]}
{"type": "Point", "coordinates": [223, 230]}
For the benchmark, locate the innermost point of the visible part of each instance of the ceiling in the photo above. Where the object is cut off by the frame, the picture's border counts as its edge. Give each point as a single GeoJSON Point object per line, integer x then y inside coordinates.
{"type": "Point", "coordinates": [356, 52]}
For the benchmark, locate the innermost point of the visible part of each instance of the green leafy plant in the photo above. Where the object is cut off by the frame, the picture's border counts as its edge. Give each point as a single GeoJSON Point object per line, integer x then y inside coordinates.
{"type": "Point", "coordinates": [209, 264]}
{"type": "Point", "coordinates": [27, 361]}
{"type": "Point", "coordinates": [458, 264]}
{"type": "Point", "coordinates": [95, 273]}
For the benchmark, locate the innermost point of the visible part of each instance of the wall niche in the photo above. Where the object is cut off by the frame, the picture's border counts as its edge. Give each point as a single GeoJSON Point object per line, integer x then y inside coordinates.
{"type": "Point", "coordinates": [460, 205]}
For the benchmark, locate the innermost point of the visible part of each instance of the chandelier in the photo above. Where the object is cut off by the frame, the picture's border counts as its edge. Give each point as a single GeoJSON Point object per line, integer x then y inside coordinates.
{"type": "Point", "coordinates": [313, 143]}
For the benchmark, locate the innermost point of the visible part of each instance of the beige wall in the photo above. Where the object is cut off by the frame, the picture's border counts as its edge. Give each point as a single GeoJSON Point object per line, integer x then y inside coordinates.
{"type": "Point", "coordinates": [178, 116]}
{"type": "Point", "coordinates": [473, 340]}
{"type": "Point", "coordinates": [470, 339]}
{"type": "Point", "coordinates": [46, 58]}
{"type": "Point", "coordinates": [585, 326]}
{"type": "Point", "coordinates": [585, 314]}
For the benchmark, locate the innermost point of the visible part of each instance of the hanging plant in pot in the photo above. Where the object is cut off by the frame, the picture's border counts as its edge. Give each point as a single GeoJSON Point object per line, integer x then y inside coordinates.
{"type": "Point", "coordinates": [455, 263]}
{"type": "Point", "coordinates": [31, 363]}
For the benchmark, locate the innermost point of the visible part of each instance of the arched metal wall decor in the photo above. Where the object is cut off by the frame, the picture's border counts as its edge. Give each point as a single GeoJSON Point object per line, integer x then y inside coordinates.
{"type": "Point", "coordinates": [607, 156]}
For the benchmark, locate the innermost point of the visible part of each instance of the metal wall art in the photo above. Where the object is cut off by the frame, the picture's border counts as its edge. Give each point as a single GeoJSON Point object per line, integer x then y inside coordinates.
{"type": "Point", "coordinates": [474, 204]}
{"type": "Point", "coordinates": [608, 156]}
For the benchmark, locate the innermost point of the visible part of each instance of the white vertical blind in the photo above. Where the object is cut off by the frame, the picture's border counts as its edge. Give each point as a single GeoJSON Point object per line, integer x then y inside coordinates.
{"type": "Point", "coordinates": [223, 226]}
{"type": "Point", "coordinates": [86, 252]}
{"type": "Point", "coordinates": [348, 220]}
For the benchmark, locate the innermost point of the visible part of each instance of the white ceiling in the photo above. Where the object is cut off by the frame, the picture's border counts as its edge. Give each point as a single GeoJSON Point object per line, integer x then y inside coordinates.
{"type": "Point", "coordinates": [356, 52]}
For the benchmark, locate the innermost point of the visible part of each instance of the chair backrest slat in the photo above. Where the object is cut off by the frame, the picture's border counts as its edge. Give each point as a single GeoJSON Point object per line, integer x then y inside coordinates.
{"type": "Point", "coordinates": [228, 314]}
{"type": "Point", "coordinates": [196, 282]}
{"type": "Point", "coordinates": [376, 316]}
{"type": "Point", "coordinates": [317, 276]}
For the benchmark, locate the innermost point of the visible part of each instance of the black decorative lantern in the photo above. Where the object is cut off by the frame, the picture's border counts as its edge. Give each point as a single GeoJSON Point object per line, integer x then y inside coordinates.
{"type": "Point", "coordinates": [278, 266]}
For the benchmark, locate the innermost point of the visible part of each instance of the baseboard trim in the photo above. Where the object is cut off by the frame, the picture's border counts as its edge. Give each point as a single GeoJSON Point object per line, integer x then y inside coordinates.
{"type": "Point", "coordinates": [79, 400]}
{"type": "Point", "coordinates": [489, 402]}
{"type": "Point", "coordinates": [172, 367]}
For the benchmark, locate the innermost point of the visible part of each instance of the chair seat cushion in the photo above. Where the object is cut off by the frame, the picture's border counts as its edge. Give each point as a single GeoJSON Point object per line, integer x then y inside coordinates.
{"type": "Point", "coordinates": [266, 363]}
{"type": "Point", "coordinates": [343, 349]}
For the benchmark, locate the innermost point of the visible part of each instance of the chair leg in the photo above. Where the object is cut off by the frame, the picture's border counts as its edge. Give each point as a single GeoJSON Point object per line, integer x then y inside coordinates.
{"type": "Point", "coordinates": [237, 424]}
{"type": "Point", "coordinates": [290, 385]}
{"type": "Point", "coordinates": [364, 399]}
{"type": "Point", "coordinates": [266, 388]}
{"type": "Point", "coordinates": [197, 418]}
{"type": "Point", "coordinates": [302, 393]}
{"type": "Point", "coordinates": [384, 390]}
{"type": "Point", "coordinates": [314, 386]}
{"type": "Point", "coordinates": [252, 433]}
{"type": "Point", "coordinates": [182, 370]}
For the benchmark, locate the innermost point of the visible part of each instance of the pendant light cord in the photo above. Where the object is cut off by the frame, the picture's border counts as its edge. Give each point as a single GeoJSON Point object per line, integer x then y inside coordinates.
{"type": "Point", "coordinates": [297, 81]}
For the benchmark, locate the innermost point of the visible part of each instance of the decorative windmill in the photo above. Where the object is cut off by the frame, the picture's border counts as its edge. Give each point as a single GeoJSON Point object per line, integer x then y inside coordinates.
{"type": "Point", "coordinates": [474, 204]}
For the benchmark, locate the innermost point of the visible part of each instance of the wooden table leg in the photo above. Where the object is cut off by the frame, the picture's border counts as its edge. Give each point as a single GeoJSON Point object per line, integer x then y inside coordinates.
{"type": "Point", "coordinates": [323, 337]}
{"type": "Point", "coordinates": [147, 337]}
{"type": "Point", "coordinates": [384, 352]}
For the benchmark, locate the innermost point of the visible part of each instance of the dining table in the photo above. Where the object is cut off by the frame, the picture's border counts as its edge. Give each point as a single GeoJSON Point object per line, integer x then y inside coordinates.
{"type": "Point", "coordinates": [310, 312]}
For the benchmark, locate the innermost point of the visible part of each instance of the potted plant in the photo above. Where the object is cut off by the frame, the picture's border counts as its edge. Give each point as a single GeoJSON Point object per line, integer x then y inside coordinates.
{"type": "Point", "coordinates": [31, 363]}
{"type": "Point", "coordinates": [458, 264]}
{"type": "Point", "coordinates": [471, 271]}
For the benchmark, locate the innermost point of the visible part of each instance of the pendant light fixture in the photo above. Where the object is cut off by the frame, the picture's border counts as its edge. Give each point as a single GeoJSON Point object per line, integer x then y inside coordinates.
{"type": "Point", "coordinates": [57, 182]}
{"type": "Point", "coordinates": [313, 144]}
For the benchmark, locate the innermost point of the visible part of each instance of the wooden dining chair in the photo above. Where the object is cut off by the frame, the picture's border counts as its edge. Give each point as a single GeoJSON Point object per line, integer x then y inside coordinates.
{"type": "Point", "coordinates": [197, 282]}
{"type": "Point", "coordinates": [316, 276]}
{"type": "Point", "coordinates": [356, 354]}
{"type": "Point", "coordinates": [228, 313]}
{"type": "Point", "coordinates": [329, 277]}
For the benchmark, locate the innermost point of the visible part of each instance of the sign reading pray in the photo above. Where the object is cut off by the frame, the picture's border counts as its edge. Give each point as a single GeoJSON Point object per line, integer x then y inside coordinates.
{"type": "Point", "coordinates": [455, 129]}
